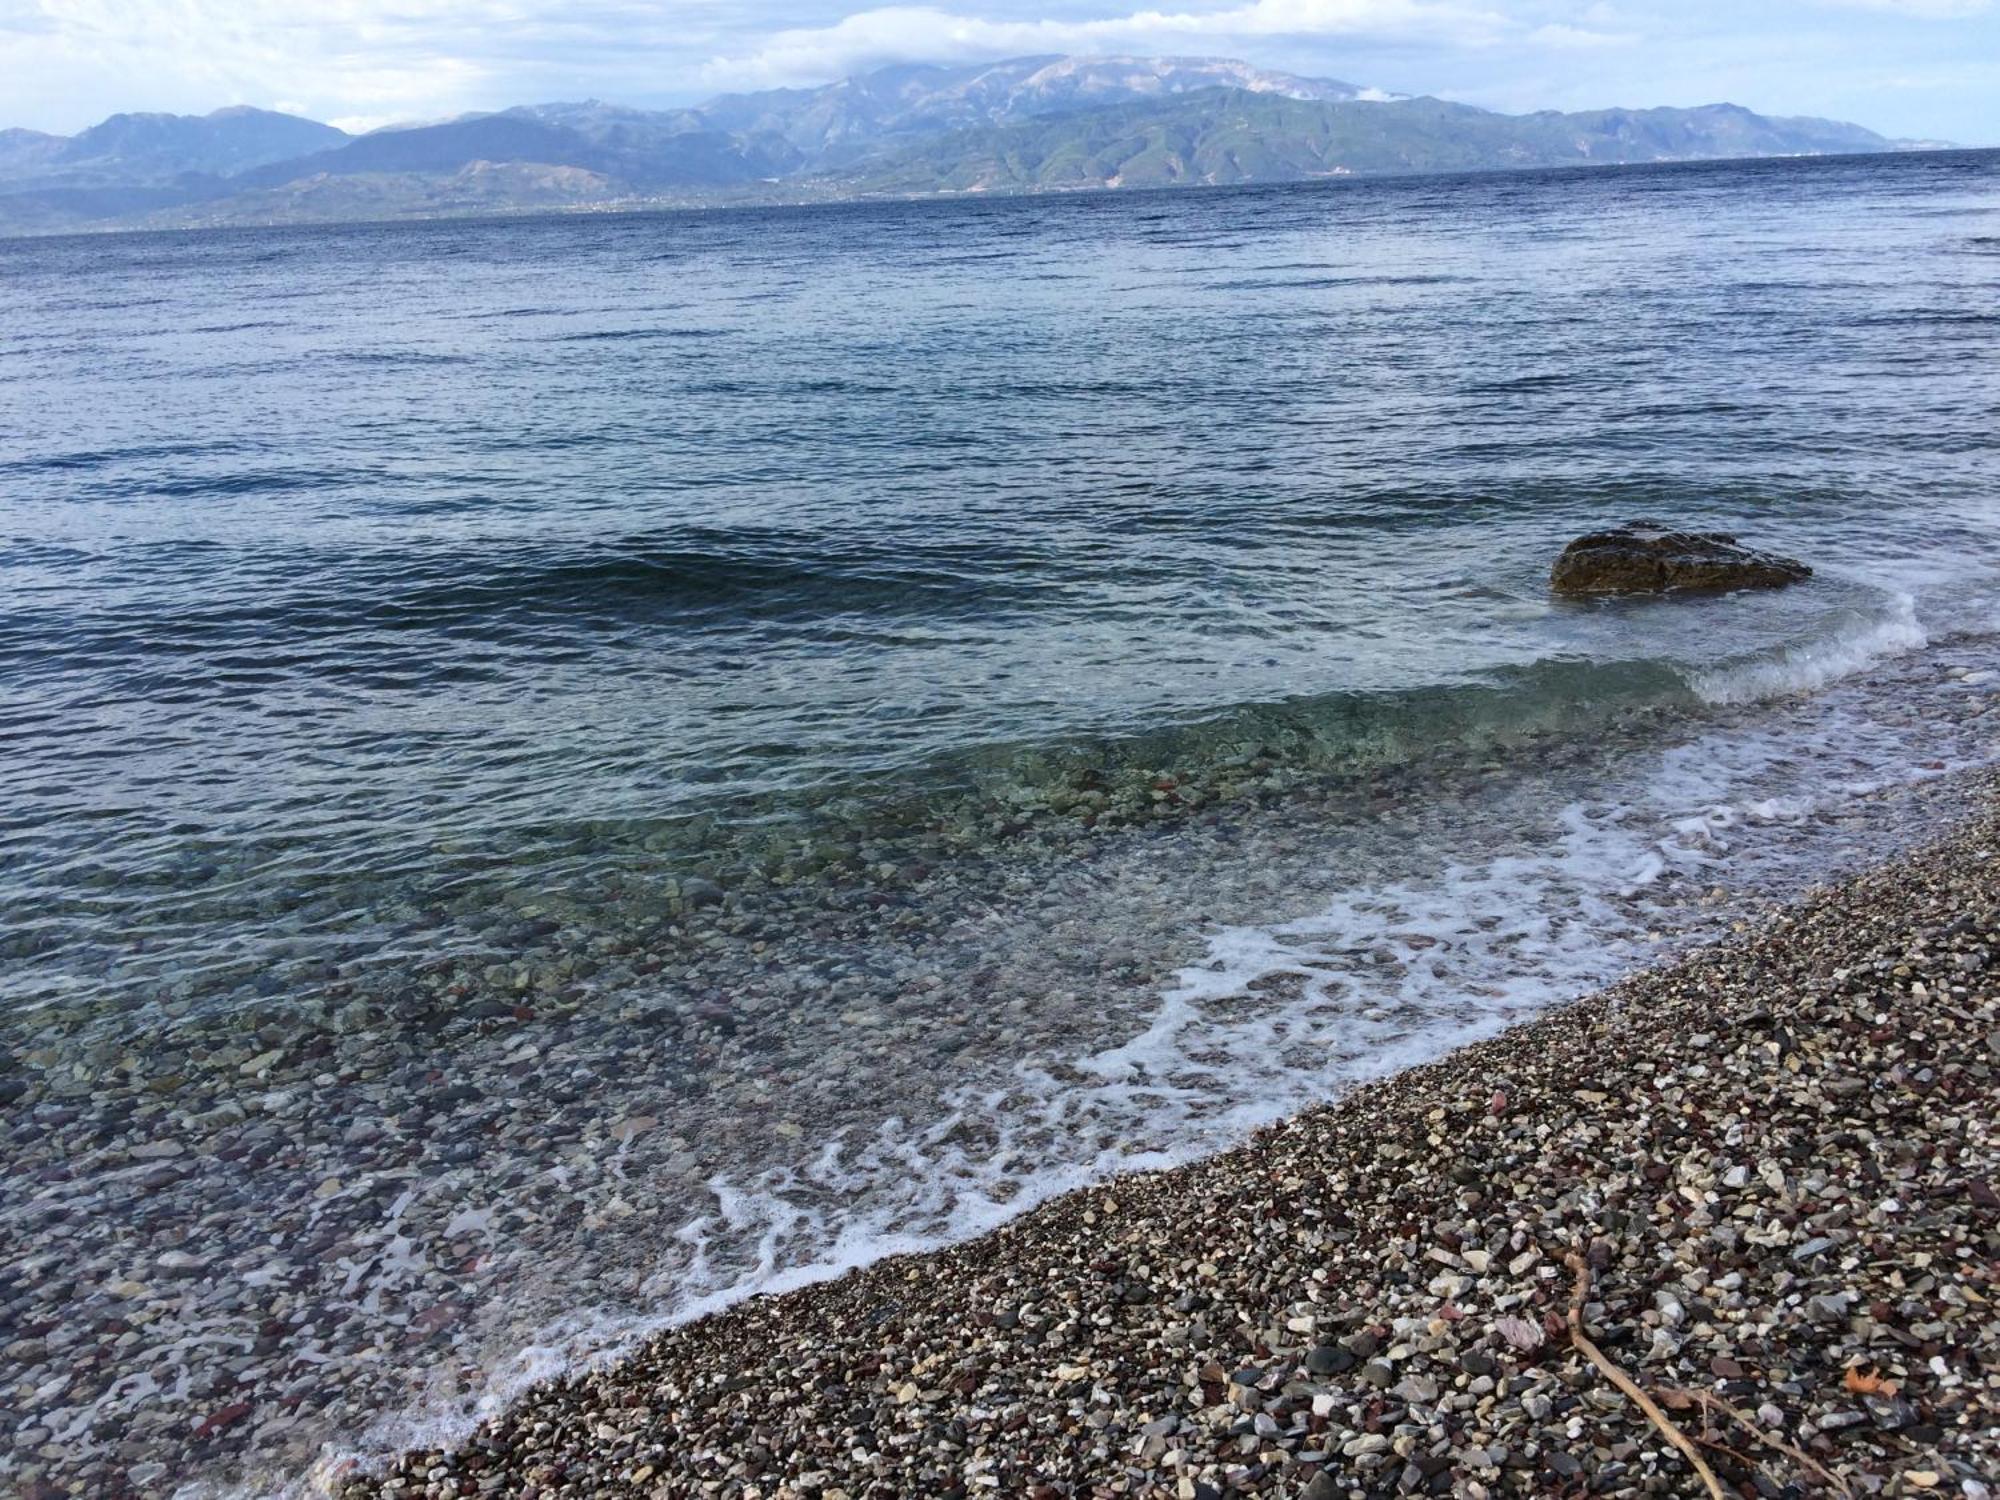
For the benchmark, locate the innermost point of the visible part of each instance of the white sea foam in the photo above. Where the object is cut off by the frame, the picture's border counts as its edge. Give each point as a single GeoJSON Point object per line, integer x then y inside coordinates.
{"type": "Point", "coordinates": [1812, 665]}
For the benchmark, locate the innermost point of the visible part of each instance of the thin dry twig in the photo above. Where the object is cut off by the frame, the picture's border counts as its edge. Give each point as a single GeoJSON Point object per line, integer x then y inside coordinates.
{"type": "Point", "coordinates": [1709, 1401]}
{"type": "Point", "coordinates": [1707, 1440]}
{"type": "Point", "coordinates": [1680, 1440]}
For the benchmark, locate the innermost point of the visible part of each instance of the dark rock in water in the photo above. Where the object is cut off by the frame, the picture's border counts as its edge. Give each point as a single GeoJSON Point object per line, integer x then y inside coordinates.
{"type": "Point", "coordinates": [1647, 557]}
{"type": "Point", "coordinates": [699, 892]}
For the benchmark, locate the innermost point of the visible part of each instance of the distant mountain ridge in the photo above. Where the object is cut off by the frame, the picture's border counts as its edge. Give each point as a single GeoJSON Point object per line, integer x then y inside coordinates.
{"type": "Point", "coordinates": [1028, 124]}
{"type": "Point", "coordinates": [142, 150]}
{"type": "Point", "coordinates": [864, 113]}
{"type": "Point", "coordinates": [1228, 136]}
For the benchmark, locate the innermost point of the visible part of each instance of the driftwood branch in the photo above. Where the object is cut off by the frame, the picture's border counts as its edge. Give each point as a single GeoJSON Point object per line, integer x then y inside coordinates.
{"type": "Point", "coordinates": [1680, 1440]}
{"type": "Point", "coordinates": [1710, 1402]}
{"type": "Point", "coordinates": [1749, 1464]}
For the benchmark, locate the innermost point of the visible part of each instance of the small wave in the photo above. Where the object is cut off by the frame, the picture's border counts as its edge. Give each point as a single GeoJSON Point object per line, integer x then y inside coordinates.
{"type": "Point", "coordinates": [1315, 283]}
{"type": "Point", "coordinates": [98, 458]}
{"type": "Point", "coordinates": [694, 579]}
{"type": "Point", "coordinates": [498, 314]}
{"type": "Point", "coordinates": [724, 575]}
{"type": "Point", "coordinates": [1544, 381]}
{"type": "Point", "coordinates": [1930, 319]}
{"type": "Point", "coordinates": [619, 335]}
{"type": "Point", "coordinates": [781, 389]}
{"type": "Point", "coordinates": [1810, 666]}
{"type": "Point", "coordinates": [401, 357]}
{"type": "Point", "coordinates": [224, 486]}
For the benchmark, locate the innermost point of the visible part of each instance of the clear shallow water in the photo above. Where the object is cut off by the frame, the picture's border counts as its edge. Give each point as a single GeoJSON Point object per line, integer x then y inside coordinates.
{"type": "Point", "coordinates": [575, 768]}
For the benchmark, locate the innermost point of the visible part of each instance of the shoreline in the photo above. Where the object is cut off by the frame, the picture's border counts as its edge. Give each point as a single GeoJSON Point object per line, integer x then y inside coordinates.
{"type": "Point", "coordinates": [348, 1231]}
{"type": "Point", "coordinates": [1776, 1156]}
{"type": "Point", "coordinates": [750, 202]}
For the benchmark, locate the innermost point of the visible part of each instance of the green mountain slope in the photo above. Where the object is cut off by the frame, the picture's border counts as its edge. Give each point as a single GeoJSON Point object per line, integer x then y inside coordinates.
{"type": "Point", "coordinates": [1027, 125]}
{"type": "Point", "coordinates": [1227, 135]}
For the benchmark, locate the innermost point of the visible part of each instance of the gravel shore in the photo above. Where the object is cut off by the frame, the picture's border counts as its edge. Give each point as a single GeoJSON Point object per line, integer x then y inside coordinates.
{"type": "Point", "coordinates": [1760, 1182]}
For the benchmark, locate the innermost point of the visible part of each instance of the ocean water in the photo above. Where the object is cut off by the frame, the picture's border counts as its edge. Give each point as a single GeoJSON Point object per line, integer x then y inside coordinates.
{"type": "Point", "coordinates": [557, 773]}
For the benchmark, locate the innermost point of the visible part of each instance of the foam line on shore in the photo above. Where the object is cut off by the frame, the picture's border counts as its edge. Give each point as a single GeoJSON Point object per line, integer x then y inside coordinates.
{"type": "Point", "coordinates": [1360, 1279]}
{"type": "Point", "coordinates": [1272, 1020]}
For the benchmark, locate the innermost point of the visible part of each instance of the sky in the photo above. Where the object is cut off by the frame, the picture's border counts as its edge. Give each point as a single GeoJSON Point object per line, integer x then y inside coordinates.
{"type": "Point", "coordinates": [1926, 69]}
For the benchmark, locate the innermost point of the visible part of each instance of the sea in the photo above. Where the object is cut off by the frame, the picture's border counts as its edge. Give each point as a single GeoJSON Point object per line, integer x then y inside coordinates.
{"type": "Point", "coordinates": [558, 773]}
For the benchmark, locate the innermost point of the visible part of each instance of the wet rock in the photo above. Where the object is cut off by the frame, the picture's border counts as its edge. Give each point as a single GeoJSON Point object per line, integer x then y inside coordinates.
{"type": "Point", "coordinates": [699, 892]}
{"type": "Point", "coordinates": [1649, 557]}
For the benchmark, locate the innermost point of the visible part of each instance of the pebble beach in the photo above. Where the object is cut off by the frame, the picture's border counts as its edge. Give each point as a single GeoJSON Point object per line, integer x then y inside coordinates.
{"type": "Point", "coordinates": [1759, 1182]}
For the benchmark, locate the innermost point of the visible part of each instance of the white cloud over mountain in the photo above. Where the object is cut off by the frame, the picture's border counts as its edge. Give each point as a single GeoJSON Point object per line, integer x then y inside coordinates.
{"type": "Point", "coordinates": [910, 33]}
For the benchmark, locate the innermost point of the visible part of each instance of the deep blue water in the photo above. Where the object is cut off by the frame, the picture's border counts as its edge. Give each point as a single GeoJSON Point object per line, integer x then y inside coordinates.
{"type": "Point", "coordinates": [418, 627]}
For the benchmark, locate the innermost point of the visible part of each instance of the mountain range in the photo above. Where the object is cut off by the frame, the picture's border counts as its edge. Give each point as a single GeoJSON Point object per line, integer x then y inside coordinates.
{"type": "Point", "coordinates": [1025, 125]}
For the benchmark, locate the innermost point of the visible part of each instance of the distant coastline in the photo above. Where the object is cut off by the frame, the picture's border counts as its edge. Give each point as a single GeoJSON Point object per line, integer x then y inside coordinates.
{"type": "Point", "coordinates": [795, 196]}
{"type": "Point", "coordinates": [1031, 125]}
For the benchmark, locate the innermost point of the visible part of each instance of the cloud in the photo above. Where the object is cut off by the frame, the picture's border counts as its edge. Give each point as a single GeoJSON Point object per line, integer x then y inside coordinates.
{"type": "Point", "coordinates": [913, 33]}
{"type": "Point", "coordinates": [72, 61]}
{"type": "Point", "coordinates": [1578, 38]}
{"type": "Point", "coordinates": [1923, 10]}
{"type": "Point", "coordinates": [198, 54]}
